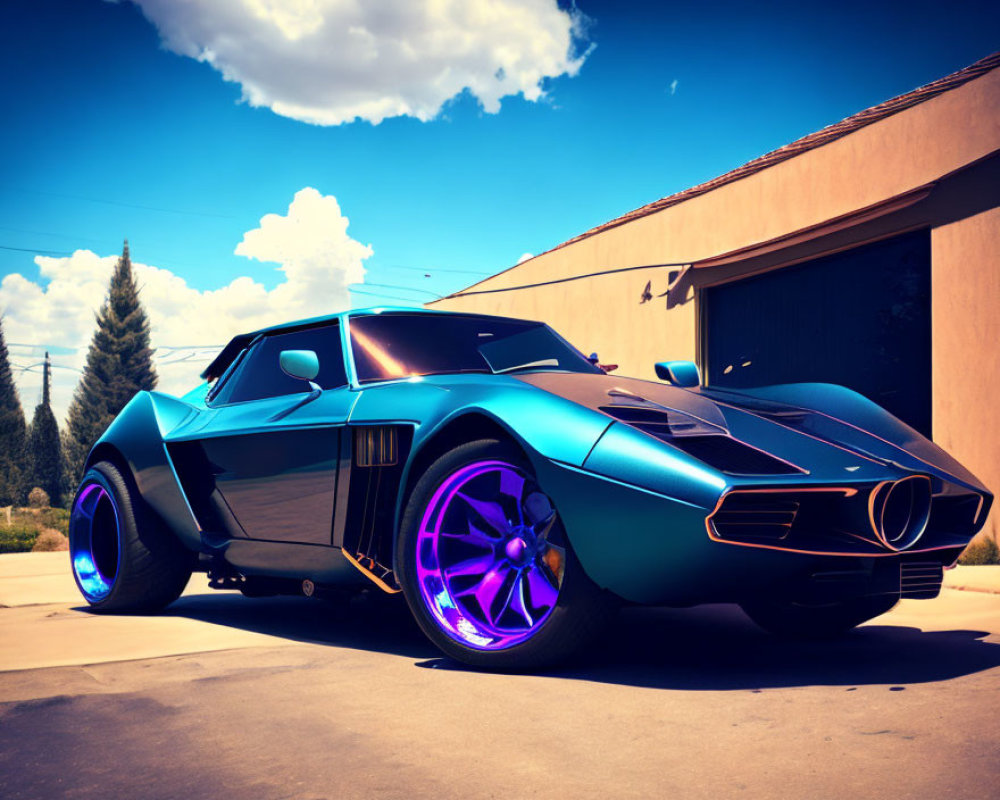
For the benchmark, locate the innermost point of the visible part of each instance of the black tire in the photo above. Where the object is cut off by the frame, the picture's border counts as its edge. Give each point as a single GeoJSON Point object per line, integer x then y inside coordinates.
{"type": "Point", "coordinates": [800, 621]}
{"type": "Point", "coordinates": [581, 612]}
{"type": "Point", "coordinates": [142, 566]}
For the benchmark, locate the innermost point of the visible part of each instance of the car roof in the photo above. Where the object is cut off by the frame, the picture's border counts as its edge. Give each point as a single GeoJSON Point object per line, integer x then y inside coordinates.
{"type": "Point", "coordinates": [237, 344]}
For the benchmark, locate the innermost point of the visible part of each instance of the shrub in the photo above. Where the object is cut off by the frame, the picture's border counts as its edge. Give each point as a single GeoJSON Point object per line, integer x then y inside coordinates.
{"type": "Point", "coordinates": [57, 518]}
{"type": "Point", "coordinates": [38, 498]}
{"type": "Point", "coordinates": [18, 538]}
{"type": "Point", "coordinates": [27, 525]}
{"type": "Point", "coordinates": [980, 551]}
{"type": "Point", "coordinates": [50, 540]}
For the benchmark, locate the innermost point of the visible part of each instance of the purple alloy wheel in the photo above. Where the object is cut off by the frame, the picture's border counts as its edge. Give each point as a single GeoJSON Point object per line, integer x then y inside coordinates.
{"type": "Point", "coordinates": [488, 571]}
{"type": "Point", "coordinates": [94, 541]}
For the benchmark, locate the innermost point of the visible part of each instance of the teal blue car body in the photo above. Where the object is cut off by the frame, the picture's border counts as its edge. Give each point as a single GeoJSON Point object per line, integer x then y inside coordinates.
{"type": "Point", "coordinates": [668, 494]}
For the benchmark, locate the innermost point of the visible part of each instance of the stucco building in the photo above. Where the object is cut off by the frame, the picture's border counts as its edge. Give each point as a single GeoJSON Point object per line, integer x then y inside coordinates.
{"type": "Point", "coordinates": [864, 254]}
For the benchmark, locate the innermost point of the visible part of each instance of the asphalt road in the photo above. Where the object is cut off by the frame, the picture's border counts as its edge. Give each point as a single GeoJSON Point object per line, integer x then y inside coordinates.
{"type": "Point", "coordinates": [297, 698]}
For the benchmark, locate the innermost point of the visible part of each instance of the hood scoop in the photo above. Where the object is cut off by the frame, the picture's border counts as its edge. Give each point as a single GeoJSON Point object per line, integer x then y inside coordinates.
{"type": "Point", "coordinates": [706, 441]}
{"type": "Point", "coordinates": [659, 420]}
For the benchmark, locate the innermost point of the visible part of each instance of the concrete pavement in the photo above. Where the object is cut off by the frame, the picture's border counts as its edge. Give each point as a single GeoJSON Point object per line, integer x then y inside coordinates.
{"type": "Point", "coordinates": [290, 697]}
{"type": "Point", "coordinates": [974, 579]}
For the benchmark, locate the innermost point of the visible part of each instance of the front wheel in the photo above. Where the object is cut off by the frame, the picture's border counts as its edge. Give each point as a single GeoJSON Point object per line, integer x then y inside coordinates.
{"type": "Point", "coordinates": [801, 621]}
{"type": "Point", "coordinates": [123, 559]}
{"type": "Point", "coordinates": [486, 567]}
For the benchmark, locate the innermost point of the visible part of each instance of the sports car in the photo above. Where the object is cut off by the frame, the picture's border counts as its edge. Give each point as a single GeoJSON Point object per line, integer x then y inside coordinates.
{"type": "Point", "coordinates": [513, 490]}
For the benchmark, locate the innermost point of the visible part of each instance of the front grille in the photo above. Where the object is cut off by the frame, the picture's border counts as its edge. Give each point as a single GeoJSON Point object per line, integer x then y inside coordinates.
{"type": "Point", "coordinates": [920, 580]}
{"type": "Point", "coordinates": [755, 517]}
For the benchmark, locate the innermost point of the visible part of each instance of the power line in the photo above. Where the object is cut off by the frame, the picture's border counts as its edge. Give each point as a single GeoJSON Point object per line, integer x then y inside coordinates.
{"type": "Point", "coordinates": [426, 270]}
{"type": "Point", "coordinates": [394, 286]}
{"type": "Point", "coordinates": [37, 251]}
{"type": "Point", "coordinates": [62, 350]}
{"type": "Point", "coordinates": [569, 279]}
{"type": "Point", "coordinates": [189, 347]}
{"type": "Point", "coordinates": [34, 367]}
{"type": "Point", "coordinates": [70, 236]}
{"type": "Point", "coordinates": [388, 296]}
{"type": "Point", "coordinates": [123, 205]}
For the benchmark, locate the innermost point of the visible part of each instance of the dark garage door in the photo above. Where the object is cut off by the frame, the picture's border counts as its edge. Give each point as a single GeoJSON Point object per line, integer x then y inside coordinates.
{"type": "Point", "coordinates": [861, 318]}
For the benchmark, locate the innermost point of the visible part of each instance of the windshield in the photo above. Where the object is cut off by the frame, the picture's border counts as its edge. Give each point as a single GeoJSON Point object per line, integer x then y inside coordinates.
{"type": "Point", "coordinates": [389, 346]}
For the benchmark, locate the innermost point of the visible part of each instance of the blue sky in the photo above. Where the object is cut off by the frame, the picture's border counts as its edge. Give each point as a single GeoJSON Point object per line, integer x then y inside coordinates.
{"type": "Point", "coordinates": [106, 133]}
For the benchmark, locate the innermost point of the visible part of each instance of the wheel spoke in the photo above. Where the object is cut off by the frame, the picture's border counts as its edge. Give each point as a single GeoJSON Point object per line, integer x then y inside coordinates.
{"type": "Point", "coordinates": [517, 601]}
{"type": "Point", "coordinates": [490, 513]}
{"type": "Point", "coordinates": [471, 566]}
{"type": "Point", "coordinates": [488, 588]}
{"type": "Point", "coordinates": [511, 484]}
{"type": "Point", "coordinates": [543, 593]}
{"type": "Point", "coordinates": [474, 536]}
{"type": "Point", "coordinates": [544, 527]}
{"type": "Point", "coordinates": [87, 505]}
{"type": "Point", "coordinates": [495, 619]}
{"type": "Point", "coordinates": [488, 550]}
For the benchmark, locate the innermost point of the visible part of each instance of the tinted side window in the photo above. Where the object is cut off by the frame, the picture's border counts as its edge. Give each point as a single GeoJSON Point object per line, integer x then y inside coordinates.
{"type": "Point", "coordinates": [262, 376]}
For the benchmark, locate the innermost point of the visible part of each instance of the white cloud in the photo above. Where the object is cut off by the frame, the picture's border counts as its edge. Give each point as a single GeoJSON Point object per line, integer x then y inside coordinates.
{"type": "Point", "coordinates": [524, 257]}
{"type": "Point", "coordinates": [317, 256]}
{"type": "Point", "coordinates": [331, 61]}
{"type": "Point", "coordinates": [673, 86]}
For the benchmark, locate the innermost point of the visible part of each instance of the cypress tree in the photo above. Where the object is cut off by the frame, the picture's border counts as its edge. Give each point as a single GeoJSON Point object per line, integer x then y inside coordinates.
{"type": "Point", "coordinates": [44, 447]}
{"type": "Point", "coordinates": [119, 364]}
{"type": "Point", "coordinates": [12, 434]}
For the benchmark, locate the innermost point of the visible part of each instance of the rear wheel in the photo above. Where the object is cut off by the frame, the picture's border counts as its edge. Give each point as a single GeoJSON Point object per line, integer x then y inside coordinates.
{"type": "Point", "coordinates": [486, 567]}
{"type": "Point", "coordinates": [123, 558]}
{"type": "Point", "coordinates": [799, 621]}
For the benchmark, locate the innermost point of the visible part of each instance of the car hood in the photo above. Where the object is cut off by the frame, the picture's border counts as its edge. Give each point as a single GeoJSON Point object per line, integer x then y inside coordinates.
{"type": "Point", "coordinates": [826, 430]}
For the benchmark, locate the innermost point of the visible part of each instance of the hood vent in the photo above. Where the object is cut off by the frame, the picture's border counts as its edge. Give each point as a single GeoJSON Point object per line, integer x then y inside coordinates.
{"type": "Point", "coordinates": [791, 417]}
{"type": "Point", "coordinates": [702, 440]}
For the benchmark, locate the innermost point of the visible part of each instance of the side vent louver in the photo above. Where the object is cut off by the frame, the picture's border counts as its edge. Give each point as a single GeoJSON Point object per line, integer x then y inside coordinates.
{"type": "Point", "coordinates": [376, 446]}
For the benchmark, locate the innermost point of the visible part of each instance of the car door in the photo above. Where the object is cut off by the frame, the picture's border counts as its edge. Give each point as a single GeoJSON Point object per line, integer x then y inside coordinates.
{"type": "Point", "coordinates": [271, 448]}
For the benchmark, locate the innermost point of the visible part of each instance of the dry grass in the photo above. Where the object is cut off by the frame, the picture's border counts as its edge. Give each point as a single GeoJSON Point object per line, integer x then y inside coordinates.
{"type": "Point", "coordinates": [49, 541]}
{"type": "Point", "coordinates": [20, 528]}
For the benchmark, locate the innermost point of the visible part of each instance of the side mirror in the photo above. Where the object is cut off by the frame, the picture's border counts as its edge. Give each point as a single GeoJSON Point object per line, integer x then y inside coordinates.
{"type": "Point", "coordinates": [679, 373]}
{"type": "Point", "coordinates": [302, 364]}
{"type": "Point", "coordinates": [595, 360]}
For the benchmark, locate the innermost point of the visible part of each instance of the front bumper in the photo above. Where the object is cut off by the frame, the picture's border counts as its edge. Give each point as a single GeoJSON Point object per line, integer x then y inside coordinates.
{"type": "Point", "coordinates": [652, 549]}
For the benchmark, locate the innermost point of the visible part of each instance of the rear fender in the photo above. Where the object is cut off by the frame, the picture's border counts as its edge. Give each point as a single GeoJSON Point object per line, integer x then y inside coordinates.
{"type": "Point", "coordinates": [137, 436]}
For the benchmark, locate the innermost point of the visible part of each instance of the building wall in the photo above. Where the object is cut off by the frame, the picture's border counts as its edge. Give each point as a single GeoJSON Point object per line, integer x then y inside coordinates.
{"type": "Point", "coordinates": [965, 320]}
{"type": "Point", "coordinates": [877, 162]}
{"type": "Point", "coordinates": [873, 164]}
{"type": "Point", "coordinates": [870, 165]}
{"type": "Point", "coordinates": [603, 315]}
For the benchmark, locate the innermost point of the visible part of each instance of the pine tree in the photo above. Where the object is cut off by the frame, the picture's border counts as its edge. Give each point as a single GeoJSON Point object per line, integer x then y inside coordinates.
{"type": "Point", "coordinates": [12, 434]}
{"type": "Point", "coordinates": [119, 364]}
{"type": "Point", "coordinates": [44, 446]}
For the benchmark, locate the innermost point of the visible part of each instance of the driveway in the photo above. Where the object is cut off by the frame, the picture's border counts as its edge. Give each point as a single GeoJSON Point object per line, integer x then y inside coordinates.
{"type": "Point", "coordinates": [302, 698]}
